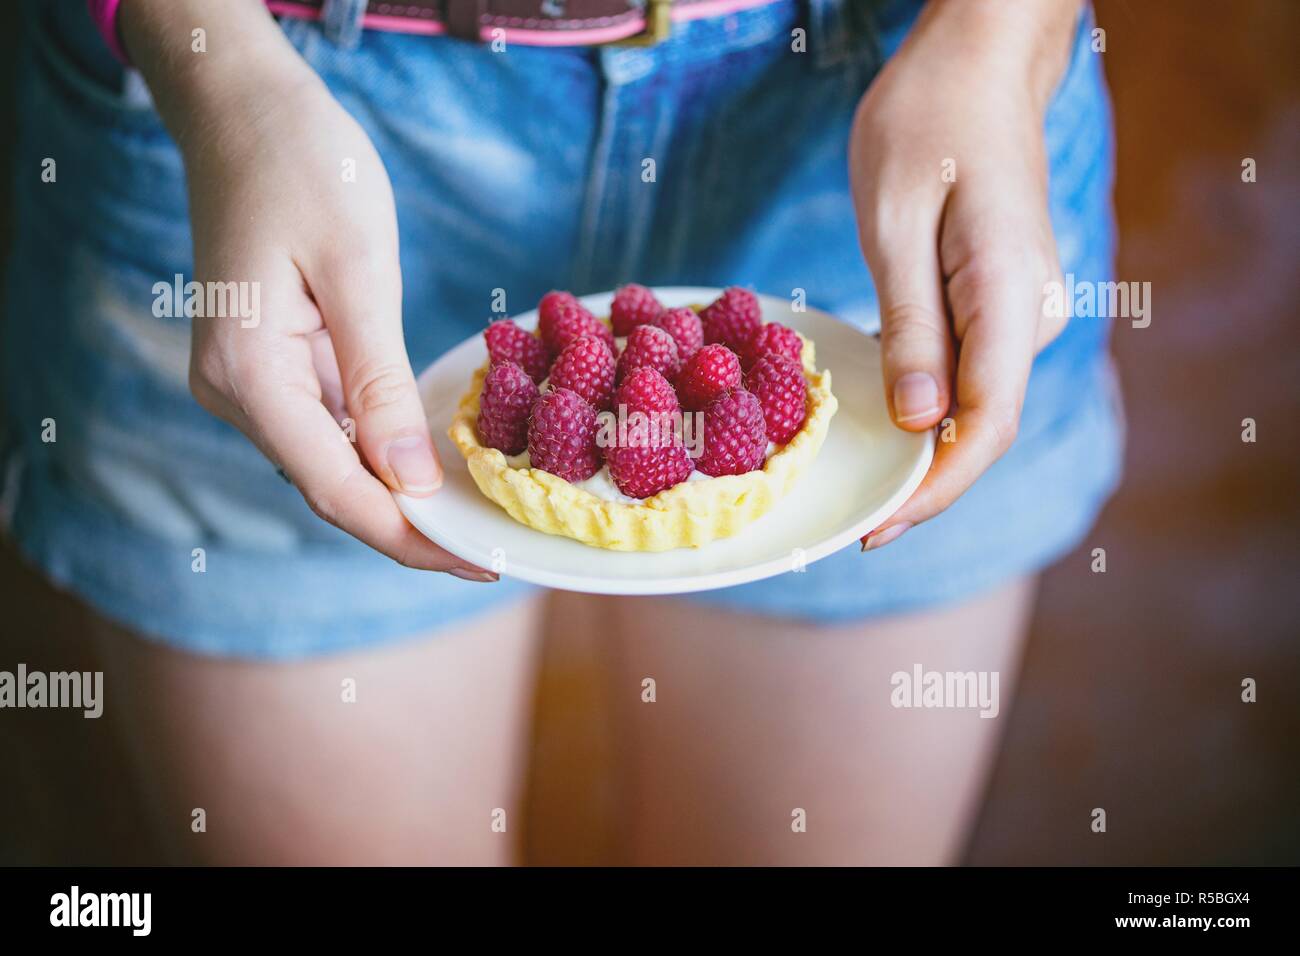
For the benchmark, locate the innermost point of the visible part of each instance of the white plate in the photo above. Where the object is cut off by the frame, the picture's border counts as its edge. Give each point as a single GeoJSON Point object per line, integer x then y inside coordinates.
{"type": "Point", "coordinates": [866, 470]}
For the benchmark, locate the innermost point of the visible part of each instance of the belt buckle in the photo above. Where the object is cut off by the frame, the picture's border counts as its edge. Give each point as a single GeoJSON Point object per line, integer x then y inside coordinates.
{"type": "Point", "coordinates": [658, 25]}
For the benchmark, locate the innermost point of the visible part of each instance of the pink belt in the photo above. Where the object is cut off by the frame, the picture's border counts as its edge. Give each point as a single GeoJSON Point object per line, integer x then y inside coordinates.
{"type": "Point", "coordinates": [531, 22]}
{"type": "Point", "coordinates": [526, 22]}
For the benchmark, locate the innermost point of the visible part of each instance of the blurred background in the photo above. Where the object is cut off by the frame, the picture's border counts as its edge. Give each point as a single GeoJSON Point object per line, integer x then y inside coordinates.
{"type": "Point", "coordinates": [1130, 698]}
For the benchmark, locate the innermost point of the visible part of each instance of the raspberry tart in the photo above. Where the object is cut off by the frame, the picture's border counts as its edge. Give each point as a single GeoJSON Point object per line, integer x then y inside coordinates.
{"type": "Point", "coordinates": [651, 430]}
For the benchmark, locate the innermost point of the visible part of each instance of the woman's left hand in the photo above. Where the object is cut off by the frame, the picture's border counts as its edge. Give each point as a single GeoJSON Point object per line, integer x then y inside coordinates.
{"type": "Point", "coordinates": [949, 175]}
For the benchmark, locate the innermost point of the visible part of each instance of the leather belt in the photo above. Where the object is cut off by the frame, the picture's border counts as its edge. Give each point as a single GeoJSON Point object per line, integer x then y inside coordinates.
{"type": "Point", "coordinates": [531, 22]}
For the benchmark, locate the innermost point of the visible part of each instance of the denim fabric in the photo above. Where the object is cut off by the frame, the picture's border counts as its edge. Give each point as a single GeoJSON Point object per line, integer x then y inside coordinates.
{"type": "Point", "coordinates": [520, 171]}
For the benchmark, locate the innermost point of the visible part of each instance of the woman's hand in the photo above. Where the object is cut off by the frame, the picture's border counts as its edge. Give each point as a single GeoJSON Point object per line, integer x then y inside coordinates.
{"type": "Point", "coordinates": [287, 192]}
{"type": "Point", "coordinates": [950, 186]}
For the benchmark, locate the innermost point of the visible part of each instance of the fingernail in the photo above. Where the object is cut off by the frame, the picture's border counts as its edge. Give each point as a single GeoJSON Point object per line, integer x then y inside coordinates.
{"type": "Point", "coordinates": [465, 574]}
{"type": "Point", "coordinates": [412, 463]}
{"type": "Point", "coordinates": [916, 395]}
{"type": "Point", "coordinates": [878, 539]}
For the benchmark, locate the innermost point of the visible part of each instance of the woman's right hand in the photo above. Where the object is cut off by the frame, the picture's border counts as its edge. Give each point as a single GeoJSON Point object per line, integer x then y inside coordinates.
{"type": "Point", "coordinates": [288, 194]}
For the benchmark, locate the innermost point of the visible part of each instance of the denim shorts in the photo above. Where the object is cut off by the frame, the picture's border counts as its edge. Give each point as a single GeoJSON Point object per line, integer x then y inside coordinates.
{"type": "Point", "coordinates": [520, 171]}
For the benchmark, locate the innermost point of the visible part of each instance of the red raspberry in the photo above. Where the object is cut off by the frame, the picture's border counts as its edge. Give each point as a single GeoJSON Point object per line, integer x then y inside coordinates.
{"type": "Point", "coordinates": [777, 382]}
{"type": "Point", "coordinates": [633, 305]}
{"type": "Point", "coordinates": [649, 455]}
{"type": "Point", "coordinates": [649, 346]}
{"type": "Point", "coordinates": [735, 438]}
{"type": "Point", "coordinates": [732, 319]}
{"type": "Point", "coordinates": [507, 342]}
{"type": "Point", "coordinates": [706, 375]}
{"type": "Point", "coordinates": [553, 303]}
{"type": "Point", "coordinates": [645, 465]}
{"type": "Point", "coordinates": [685, 328]}
{"type": "Point", "coordinates": [586, 366]}
{"type": "Point", "coordinates": [503, 408]}
{"type": "Point", "coordinates": [646, 390]}
{"type": "Point", "coordinates": [562, 436]}
{"type": "Point", "coordinates": [776, 339]}
{"type": "Point", "coordinates": [561, 318]}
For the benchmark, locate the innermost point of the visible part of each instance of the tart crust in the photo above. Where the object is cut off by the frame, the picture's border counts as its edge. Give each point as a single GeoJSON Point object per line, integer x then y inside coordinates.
{"type": "Point", "coordinates": [688, 515]}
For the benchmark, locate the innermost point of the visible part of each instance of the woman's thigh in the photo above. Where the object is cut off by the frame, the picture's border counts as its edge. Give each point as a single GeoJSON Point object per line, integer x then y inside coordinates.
{"type": "Point", "coordinates": [408, 753]}
{"type": "Point", "coordinates": [770, 741]}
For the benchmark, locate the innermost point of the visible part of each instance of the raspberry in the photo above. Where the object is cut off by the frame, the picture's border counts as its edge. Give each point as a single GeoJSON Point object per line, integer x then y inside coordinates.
{"type": "Point", "coordinates": [646, 390]}
{"type": "Point", "coordinates": [650, 455]}
{"type": "Point", "coordinates": [735, 438]}
{"type": "Point", "coordinates": [777, 382]}
{"type": "Point", "coordinates": [507, 342]}
{"type": "Point", "coordinates": [772, 338]}
{"type": "Point", "coordinates": [649, 346]}
{"type": "Point", "coordinates": [685, 328]}
{"type": "Point", "coordinates": [633, 305]}
{"type": "Point", "coordinates": [586, 366]}
{"type": "Point", "coordinates": [706, 375]}
{"type": "Point", "coordinates": [561, 318]}
{"type": "Point", "coordinates": [555, 302]}
{"type": "Point", "coordinates": [645, 467]}
{"type": "Point", "coordinates": [562, 436]}
{"type": "Point", "coordinates": [732, 319]}
{"type": "Point", "coordinates": [503, 408]}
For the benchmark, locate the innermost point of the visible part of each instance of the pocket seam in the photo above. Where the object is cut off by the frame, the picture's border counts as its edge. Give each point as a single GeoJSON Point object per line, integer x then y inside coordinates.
{"type": "Point", "coordinates": [65, 77]}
